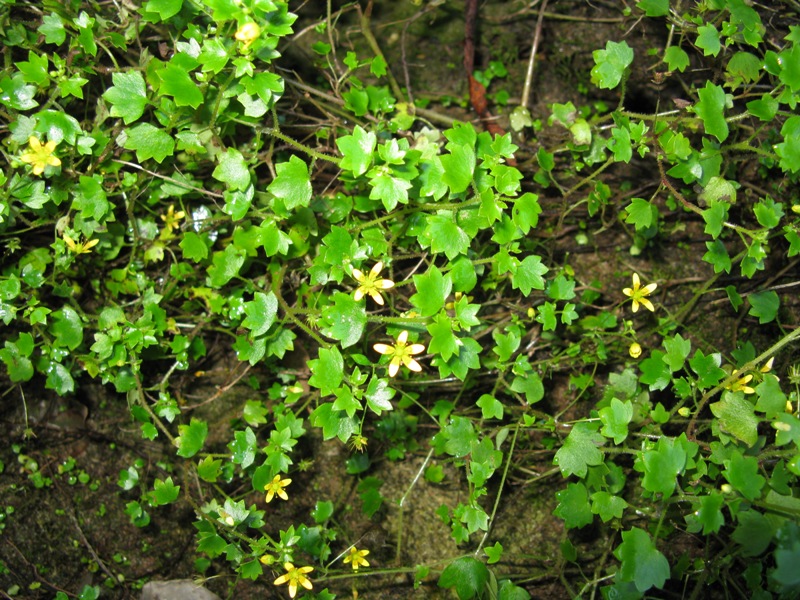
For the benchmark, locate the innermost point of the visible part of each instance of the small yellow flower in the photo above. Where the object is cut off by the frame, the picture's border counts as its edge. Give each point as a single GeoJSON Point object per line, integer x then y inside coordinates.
{"type": "Point", "coordinates": [371, 284]}
{"type": "Point", "coordinates": [294, 576]}
{"type": "Point", "coordinates": [401, 352]}
{"type": "Point", "coordinates": [248, 33]}
{"type": "Point", "coordinates": [276, 487]}
{"type": "Point", "coordinates": [635, 350]}
{"type": "Point", "coordinates": [40, 156]}
{"type": "Point", "coordinates": [638, 294]}
{"type": "Point", "coordinates": [740, 385]}
{"type": "Point", "coordinates": [80, 248]}
{"type": "Point", "coordinates": [356, 558]}
{"type": "Point", "coordinates": [267, 559]}
{"type": "Point", "coordinates": [172, 218]}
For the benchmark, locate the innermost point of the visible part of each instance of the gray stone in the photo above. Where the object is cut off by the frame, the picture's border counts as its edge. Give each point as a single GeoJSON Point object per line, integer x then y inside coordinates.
{"type": "Point", "coordinates": [178, 589]}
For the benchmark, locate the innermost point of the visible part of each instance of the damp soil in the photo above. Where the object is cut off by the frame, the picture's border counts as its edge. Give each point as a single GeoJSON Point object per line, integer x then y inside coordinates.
{"type": "Point", "coordinates": [73, 530]}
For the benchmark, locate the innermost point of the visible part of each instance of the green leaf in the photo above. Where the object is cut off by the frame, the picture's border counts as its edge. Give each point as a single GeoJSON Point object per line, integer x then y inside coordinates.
{"type": "Point", "coordinates": [379, 395]}
{"type": "Point", "coordinates": [529, 384]}
{"type": "Point", "coordinates": [526, 211]}
{"type": "Point", "coordinates": [742, 474]}
{"type": "Point", "coordinates": [191, 437]}
{"type": "Point", "coordinates": [261, 312]}
{"type": "Point", "coordinates": [67, 328]}
{"type": "Point", "coordinates": [149, 142]}
{"type": "Point", "coordinates": [662, 466]}
{"type": "Point", "coordinates": [736, 416]}
{"type": "Point", "coordinates": [446, 236]}
{"type": "Point", "coordinates": [573, 506]}
{"type": "Point", "coordinates": [357, 150]}
{"type": "Point", "coordinates": [161, 10]}
{"type": "Point", "coordinates": [59, 379]}
{"type": "Point", "coordinates": [654, 8]}
{"type": "Point", "coordinates": [91, 199]}
{"type": "Point", "coordinates": [226, 265]}
{"type": "Point", "coordinates": [642, 563]}
{"type": "Point", "coordinates": [580, 450]}
{"type": "Point", "coordinates": [715, 216]}
{"type": "Point", "coordinates": [255, 413]}
{"type": "Point", "coordinates": [610, 64]}
{"type": "Point", "coordinates": [768, 212]}
{"type": "Point", "coordinates": [292, 184]}
{"type": "Point", "coordinates": [387, 188]}
{"type": "Point", "coordinates": [711, 110]}
{"type": "Point", "coordinates": [528, 275]}
{"type": "Point", "coordinates": [754, 532]}
{"type": "Point", "coordinates": [346, 402]}
{"type": "Point", "coordinates": [459, 166]}
{"type": "Point", "coordinates": [128, 96]}
{"type": "Point", "coordinates": [344, 320]}
{"type": "Point", "coordinates": [771, 399]}
{"type": "Point", "coordinates": [52, 28]}
{"type": "Point", "coordinates": [164, 492]}
{"type": "Point", "coordinates": [678, 350]}
{"type": "Point", "coordinates": [334, 423]}
{"type": "Point", "coordinates": [232, 170]}
{"type": "Point", "coordinates": [641, 213]}
{"type": "Point", "coordinates": [327, 370]}
{"type": "Point", "coordinates": [708, 513]}
{"type": "Point", "coordinates": [607, 506]}
{"type": "Point", "coordinates": [433, 288]}
{"type": "Point", "coordinates": [789, 149]}
{"type": "Point", "coordinates": [765, 108]}
{"type": "Point", "coordinates": [676, 59]}
{"type": "Point", "coordinates": [176, 82]}
{"type": "Point", "coordinates": [34, 70]}
{"type": "Point", "coordinates": [194, 246]}
{"type": "Point", "coordinates": [244, 447]}
{"type": "Point", "coordinates": [764, 305]}
{"type": "Point", "coordinates": [561, 288]}
{"type": "Point", "coordinates": [615, 419]}
{"type": "Point", "coordinates": [708, 40]}
{"type": "Point", "coordinates": [707, 368]}
{"type": "Point", "coordinates": [443, 341]}
{"type": "Point", "coordinates": [16, 94]}
{"type": "Point", "coordinates": [467, 575]}
{"type": "Point", "coordinates": [491, 407]}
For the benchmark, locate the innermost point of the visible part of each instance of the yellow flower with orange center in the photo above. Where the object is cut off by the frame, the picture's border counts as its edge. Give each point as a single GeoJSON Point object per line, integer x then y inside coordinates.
{"type": "Point", "coordinates": [275, 488]}
{"type": "Point", "coordinates": [402, 353]}
{"type": "Point", "coordinates": [294, 576]}
{"type": "Point", "coordinates": [371, 284]}
{"type": "Point", "coordinates": [40, 156]}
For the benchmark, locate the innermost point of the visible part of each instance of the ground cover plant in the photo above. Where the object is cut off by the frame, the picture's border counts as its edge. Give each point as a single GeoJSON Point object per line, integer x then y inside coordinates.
{"type": "Point", "coordinates": [400, 299]}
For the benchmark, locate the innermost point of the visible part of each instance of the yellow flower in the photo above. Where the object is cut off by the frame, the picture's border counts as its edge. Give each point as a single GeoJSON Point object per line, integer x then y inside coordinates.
{"type": "Point", "coordinates": [80, 248]}
{"type": "Point", "coordinates": [40, 156]}
{"type": "Point", "coordinates": [639, 294]}
{"type": "Point", "coordinates": [371, 283]}
{"type": "Point", "coordinates": [276, 487]}
{"type": "Point", "coordinates": [356, 558]}
{"type": "Point", "coordinates": [358, 442]}
{"type": "Point", "coordinates": [267, 559]}
{"type": "Point", "coordinates": [294, 576]}
{"type": "Point", "coordinates": [635, 350]}
{"type": "Point", "coordinates": [740, 385]}
{"type": "Point", "coordinates": [172, 218]}
{"type": "Point", "coordinates": [401, 353]}
{"type": "Point", "coordinates": [248, 33]}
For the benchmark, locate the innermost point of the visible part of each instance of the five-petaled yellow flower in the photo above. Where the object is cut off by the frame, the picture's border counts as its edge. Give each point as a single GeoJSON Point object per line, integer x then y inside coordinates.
{"type": "Point", "coordinates": [78, 247]}
{"type": "Point", "coordinates": [248, 33]}
{"type": "Point", "coordinates": [401, 352]}
{"type": "Point", "coordinates": [635, 350]}
{"type": "Point", "coordinates": [172, 218]}
{"type": "Point", "coordinates": [371, 284]}
{"type": "Point", "coordinates": [295, 576]}
{"type": "Point", "coordinates": [40, 156]}
{"type": "Point", "coordinates": [356, 558]}
{"type": "Point", "coordinates": [276, 487]}
{"type": "Point", "coordinates": [638, 294]}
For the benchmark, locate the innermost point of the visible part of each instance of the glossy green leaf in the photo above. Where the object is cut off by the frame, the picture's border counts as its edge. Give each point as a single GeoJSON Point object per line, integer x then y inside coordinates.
{"type": "Point", "coordinates": [261, 312]}
{"type": "Point", "coordinates": [161, 10]}
{"type": "Point", "coordinates": [344, 320]}
{"type": "Point", "coordinates": [736, 416]}
{"type": "Point", "coordinates": [149, 142]}
{"type": "Point", "coordinates": [379, 395]}
{"type": "Point", "coordinates": [244, 447]}
{"type": "Point", "coordinates": [327, 370]}
{"type": "Point", "coordinates": [711, 110]}
{"type": "Point", "coordinates": [662, 466]}
{"type": "Point", "coordinates": [467, 575]}
{"type": "Point", "coordinates": [764, 305]}
{"type": "Point", "coordinates": [232, 170]}
{"type": "Point", "coordinates": [446, 236]}
{"type": "Point", "coordinates": [529, 384]}
{"type": "Point", "coordinates": [191, 437]}
{"type": "Point", "coordinates": [528, 275]}
{"type": "Point", "coordinates": [433, 288]}
{"type": "Point", "coordinates": [608, 506]}
{"type": "Point", "coordinates": [573, 506]}
{"type": "Point", "coordinates": [67, 328]}
{"type": "Point", "coordinates": [128, 96]}
{"type": "Point", "coordinates": [459, 166]}
{"type": "Point", "coordinates": [611, 64]}
{"type": "Point", "coordinates": [742, 472]}
{"type": "Point", "coordinates": [226, 265]}
{"type": "Point", "coordinates": [357, 150]}
{"type": "Point", "coordinates": [59, 379]}
{"type": "Point", "coordinates": [292, 183]}
{"type": "Point", "coordinates": [641, 562]}
{"type": "Point", "coordinates": [164, 492]}
{"type": "Point", "coordinates": [176, 82]}
{"type": "Point", "coordinates": [615, 419]}
{"type": "Point", "coordinates": [580, 450]}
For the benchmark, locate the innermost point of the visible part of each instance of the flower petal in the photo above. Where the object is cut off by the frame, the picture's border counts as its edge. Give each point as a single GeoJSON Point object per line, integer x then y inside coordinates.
{"type": "Point", "coordinates": [376, 296]}
{"type": "Point", "coordinates": [383, 348]}
{"type": "Point", "coordinates": [415, 349]}
{"type": "Point", "coordinates": [358, 276]}
{"type": "Point", "coordinates": [359, 293]}
{"type": "Point", "coordinates": [636, 282]}
{"type": "Point", "coordinates": [376, 268]}
{"type": "Point", "coordinates": [384, 284]}
{"type": "Point", "coordinates": [403, 337]}
{"type": "Point", "coordinates": [394, 366]}
{"type": "Point", "coordinates": [647, 304]}
{"type": "Point", "coordinates": [650, 288]}
{"type": "Point", "coordinates": [412, 364]}
{"type": "Point", "coordinates": [628, 292]}
{"type": "Point", "coordinates": [635, 306]}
